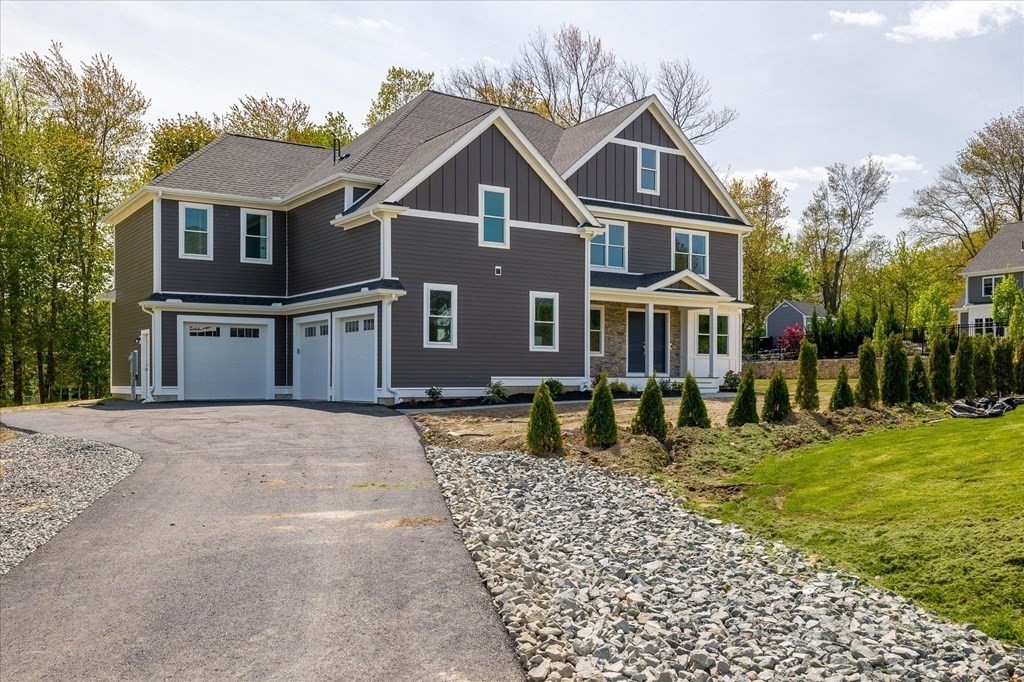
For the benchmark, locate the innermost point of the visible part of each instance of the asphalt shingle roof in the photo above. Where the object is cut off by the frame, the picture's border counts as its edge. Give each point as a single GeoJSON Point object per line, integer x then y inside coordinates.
{"type": "Point", "coordinates": [625, 280]}
{"type": "Point", "coordinates": [808, 309]}
{"type": "Point", "coordinates": [1005, 251]}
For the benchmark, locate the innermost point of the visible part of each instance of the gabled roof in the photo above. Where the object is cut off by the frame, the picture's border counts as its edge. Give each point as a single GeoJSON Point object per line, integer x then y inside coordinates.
{"type": "Point", "coordinates": [657, 281]}
{"type": "Point", "coordinates": [584, 137]}
{"type": "Point", "coordinates": [1004, 252]}
{"type": "Point", "coordinates": [803, 307]}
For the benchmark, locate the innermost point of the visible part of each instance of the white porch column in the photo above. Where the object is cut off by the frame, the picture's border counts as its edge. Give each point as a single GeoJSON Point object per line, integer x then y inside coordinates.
{"type": "Point", "coordinates": [649, 340]}
{"type": "Point", "coordinates": [713, 350]}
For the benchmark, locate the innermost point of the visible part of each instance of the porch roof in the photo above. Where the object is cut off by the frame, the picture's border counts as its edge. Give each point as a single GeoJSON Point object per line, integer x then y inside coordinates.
{"type": "Point", "coordinates": [625, 280]}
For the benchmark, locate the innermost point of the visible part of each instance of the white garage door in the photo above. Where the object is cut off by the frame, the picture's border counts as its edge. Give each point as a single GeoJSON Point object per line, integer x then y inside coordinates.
{"type": "Point", "coordinates": [357, 367]}
{"type": "Point", "coordinates": [226, 361]}
{"type": "Point", "coordinates": [312, 349]}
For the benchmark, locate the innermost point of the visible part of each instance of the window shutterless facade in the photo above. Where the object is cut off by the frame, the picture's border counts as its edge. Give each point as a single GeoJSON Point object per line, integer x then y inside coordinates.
{"type": "Point", "coordinates": [703, 334]}
{"type": "Point", "coordinates": [543, 321]}
{"type": "Point", "coordinates": [494, 216]}
{"type": "Point", "coordinates": [440, 315]}
{"type": "Point", "coordinates": [597, 330]}
{"type": "Point", "coordinates": [608, 250]}
{"type": "Point", "coordinates": [195, 231]}
{"type": "Point", "coordinates": [257, 236]}
{"type": "Point", "coordinates": [989, 284]}
{"type": "Point", "coordinates": [723, 335]}
{"type": "Point", "coordinates": [648, 171]}
{"type": "Point", "coordinates": [690, 251]}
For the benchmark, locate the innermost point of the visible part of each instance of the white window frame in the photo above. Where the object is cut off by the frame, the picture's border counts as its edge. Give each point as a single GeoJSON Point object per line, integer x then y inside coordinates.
{"type": "Point", "coordinates": [707, 250]}
{"type": "Point", "coordinates": [712, 335]}
{"type": "Point", "coordinates": [640, 168]}
{"type": "Point", "coordinates": [534, 295]}
{"type": "Point", "coordinates": [600, 351]}
{"type": "Point", "coordinates": [507, 218]}
{"type": "Point", "coordinates": [454, 290]}
{"type": "Point", "coordinates": [182, 206]}
{"type": "Point", "coordinates": [625, 248]}
{"type": "Point", "coordinates": [992, 281]}
{"type": "Point", "coordinates": [719, 335]}
{"type": "Point", "coordinates": [269, 260]}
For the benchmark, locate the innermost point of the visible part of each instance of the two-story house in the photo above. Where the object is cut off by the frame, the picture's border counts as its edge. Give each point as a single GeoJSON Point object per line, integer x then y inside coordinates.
{"type": "Point", "coordinates": [453, 244]}
{"type": "Point", "coordinates": [1002, 256]}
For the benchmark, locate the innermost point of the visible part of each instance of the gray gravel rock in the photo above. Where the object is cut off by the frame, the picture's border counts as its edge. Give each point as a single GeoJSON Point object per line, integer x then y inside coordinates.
{"type": "Point", "coordinates": [599, 576]}
{"type": "Point", "coordinates": [46, 481]}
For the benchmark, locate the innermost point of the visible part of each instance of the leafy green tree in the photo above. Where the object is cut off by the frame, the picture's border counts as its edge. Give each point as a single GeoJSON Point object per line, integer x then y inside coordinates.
{"type": "Point", "coordinates": [692, 410]}
{"type": "Point", "coordinates": [399, 86]}
{"type": "Point", "coordinates": [879, 336]}
{"type": "Point", "coordinates": [1018, 368]}
{"type": "Point", "coordinates": [776, 406]}
{"type": "Point", "coordinates": [867, 365]}
{"type": "Point", "coordinates": [1015, 329]}
{"type": "Point", "coordinates": [984, 367]}
{"type": "Point", "coordinates": [807, 379]}
{"type": "Point", "coordinates": [543, 433]}
{"type": "Point", "coordinates": [939, 369]}
{"type": "Point", "coordinates": [895, 382]}
{"type": "Point", "coordinates": [1002, 361]}
{"type": "Point", "coordinates": [650, 413]}
{"type": "Point", "coordinates": [842, 394]}
{"type": "Point", "coordinates": [744, 405]}
{"type": "Point", "coordinates": [931, 311]}
{"type": "Point", "coordinates": [172, 140]}
{"type": "Point", "coordinates": [920, 388]}
{"type": "Point", "coordinates": [1005, 297]}
{"type": "Point", "coordinates": [272, 118]}
{"type": "Point", "coordinates": [964, 386]}
{"type": "Point", "coordinates": [599, 427]}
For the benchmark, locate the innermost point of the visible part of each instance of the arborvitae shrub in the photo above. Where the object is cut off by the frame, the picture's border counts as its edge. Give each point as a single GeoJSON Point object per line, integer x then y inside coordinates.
{"type": "Point", "coordinates": [599, 429]}
{"type": "Point", "coordinates": [867, 365]}
{"type": "Point", "coordinates": [984, 377]}
{"type": "Point", "coordinates": [543, 433]}
{"type": "Point", "coordinates": [1002, 361]}
{"type": "Point", "coordinates": [807, 379]}
{"type": "Point", "coordinates": [776, 405]}
{"type": "Point", "coordinates": [920, 387]}
{"type": "Point", "coordinates": [842, 394]}
{"type": "Point", "coordinates": [744, 405]}
{"type": "Point", "coordinates": [650, 414]}
{"type": "Point", "coordinates": [939, 370]}
{"type": "Point", "coordinates": [692, 410]}
{"type": "Point", "coordinates": [895, 382]}
{"type": "Point", "coordinates": [963, 369]}
{"type": "Point", "coordinates": [1018, 368]}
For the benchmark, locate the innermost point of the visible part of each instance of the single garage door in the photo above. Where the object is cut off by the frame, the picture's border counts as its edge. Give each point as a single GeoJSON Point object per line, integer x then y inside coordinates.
{"type": "Point", "coordinates": [312, 351]}
{"type": "Point", "coordinates": [226, 361]}
{"type": "Point", "coordinates": [356, 341]}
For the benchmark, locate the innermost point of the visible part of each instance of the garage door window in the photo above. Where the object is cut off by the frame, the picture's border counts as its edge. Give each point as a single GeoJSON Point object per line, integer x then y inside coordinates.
{"type": "Point", "coordinates": [245, 333]}
{"type": "Point", "coordinates": [203, 330]}
{"type": "Point", "coordinates": [351, 326]}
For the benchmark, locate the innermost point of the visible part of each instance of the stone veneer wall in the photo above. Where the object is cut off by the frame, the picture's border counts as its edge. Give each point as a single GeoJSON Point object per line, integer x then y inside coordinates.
{"type": "Point", "coordinates": [615, 339]}
{"type": "Point", "coordinates": [828, 368]}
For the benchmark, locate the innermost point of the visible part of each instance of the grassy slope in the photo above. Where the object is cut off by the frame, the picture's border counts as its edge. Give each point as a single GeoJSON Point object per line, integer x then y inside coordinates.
{"type": "Point", "coordinates": [934, 512]}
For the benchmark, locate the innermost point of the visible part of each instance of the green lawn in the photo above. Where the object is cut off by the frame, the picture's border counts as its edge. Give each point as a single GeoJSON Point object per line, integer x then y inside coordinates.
{"type": "Point", "coordinates": [825, 388]}
{"type": "Point", "coordinates": [934, 512]}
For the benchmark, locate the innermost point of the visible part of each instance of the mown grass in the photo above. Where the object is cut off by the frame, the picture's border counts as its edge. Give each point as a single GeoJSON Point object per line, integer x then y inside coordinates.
{"type": "Point", "coordinates": [934, 512]}
{"type": "Point", "coordinates": [825, 388]}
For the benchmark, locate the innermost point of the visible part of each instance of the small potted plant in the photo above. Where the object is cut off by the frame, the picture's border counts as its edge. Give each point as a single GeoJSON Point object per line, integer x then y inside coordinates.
{"type": "Point", "coordinates": [730, 382]}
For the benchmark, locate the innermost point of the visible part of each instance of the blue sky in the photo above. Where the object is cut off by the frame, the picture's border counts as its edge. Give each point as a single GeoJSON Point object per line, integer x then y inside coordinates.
{"type": "Point", "coordinates": [813, 83]}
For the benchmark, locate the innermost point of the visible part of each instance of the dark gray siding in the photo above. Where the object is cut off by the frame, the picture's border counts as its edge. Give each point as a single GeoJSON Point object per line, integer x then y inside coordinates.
{"type": "Point", "coordinates": [490, 160]}
{"type": "Point", "coordinates": [493, 312]}
{"type": "Point", "coordinates": [169, 355]}
{"type": "Point", "coordinates": [321, 256]}
{"type": "Point", "coordinates": [974, 288]}
{"type": "Point", "coordinates": [646, 129]}
{"type": "Point", "coordinates": [611, 175]}
{"type": "Point", "coordinates": [650, 250]}
{"type": "Point", "coordinates": [782, 318]}
{"type": "Point", "coordinates": [133, 272]}
{"type": "Point", "coordinates": [225, 274]}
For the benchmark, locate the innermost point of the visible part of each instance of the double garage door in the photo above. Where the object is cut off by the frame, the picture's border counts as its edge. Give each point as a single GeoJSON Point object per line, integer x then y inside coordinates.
{"type": "Point", "coordinates": [335, 358]}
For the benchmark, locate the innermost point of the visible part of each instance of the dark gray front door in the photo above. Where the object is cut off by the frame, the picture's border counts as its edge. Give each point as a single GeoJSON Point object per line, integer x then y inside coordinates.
{"type": "Point", "coordinates": [636, 360]}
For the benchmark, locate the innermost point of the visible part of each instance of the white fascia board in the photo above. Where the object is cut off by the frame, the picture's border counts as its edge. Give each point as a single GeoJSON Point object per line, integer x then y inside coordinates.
{"type": "Point", "coordinates": [354, 298]}
{"type": "Point", "coordinates": [365, 217]}
{"type": "Point", "coordinates": [326, 185]}
{"type": "Point", "coordinates": [129, 205]}
{"type": "Point", "coordinates": [692, 278]}
{"type": "Point", "coordinates": [991, 273]}
{"type": "Point", "coordinates": [659, 297]}
{"type": "Point", "coordinates": [673, 221]}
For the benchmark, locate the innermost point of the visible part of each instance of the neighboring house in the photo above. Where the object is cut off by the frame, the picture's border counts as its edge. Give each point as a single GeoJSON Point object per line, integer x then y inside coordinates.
{"type": "Point", "coordinates": [453, 244]}
{"type": "Point", "coordinates": [788, 313]}
{"type": "Point", "coordinates": [1002, 256]}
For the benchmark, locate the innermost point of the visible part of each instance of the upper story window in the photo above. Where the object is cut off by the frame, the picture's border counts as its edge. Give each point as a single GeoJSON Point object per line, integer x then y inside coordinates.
{"type": "Point", "coordinates": [257, 232]}
{"type": "Point", "coordinates": [989, 284]}
{"type": "Point", "coordinates": [543, 321]}
{"type": "Point", "coordinates": [195, 231]}
{"type": "Point", "coordinates": [690, 251]}
{"type": "Point", "coordinates": [440, 309]}
{"type": "Point", "coordinates": [647, 171]}
{"type": "Point", "coordinates": [494, 210]}
{"type": "Point", "coordinates": [609, 249]}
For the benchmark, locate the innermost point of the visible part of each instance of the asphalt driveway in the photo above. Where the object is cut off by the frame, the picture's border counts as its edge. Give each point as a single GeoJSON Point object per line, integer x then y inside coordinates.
{"type": "Point", "coordinates": [259, 541]}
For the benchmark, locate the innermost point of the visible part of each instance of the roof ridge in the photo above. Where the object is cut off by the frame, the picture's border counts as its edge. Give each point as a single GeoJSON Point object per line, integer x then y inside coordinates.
{"type": "Point", "coordinates": [610, 111]}
{"type": "Point", "coordinates": [270, 139]}
{"type": "Point", "coordinates": [454, 127]}
{"type": "Point", "coordinates": [411, 105]}
{"type": "Point", "coordinates": [491, 104]}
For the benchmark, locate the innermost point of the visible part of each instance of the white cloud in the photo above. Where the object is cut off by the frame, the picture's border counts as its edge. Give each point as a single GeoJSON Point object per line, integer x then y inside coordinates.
{"type": "Point", "coordinates": [817, 36]}
{"type": "Point", "coordinates": [898, 164]}
{"type": "Point", "coordinates": [790, 178]}
{"type": "Point", "coordinates": [364, 23]}
{"type": "Point", "coordinates": [870, 18]}
{"type": "Point", "coordinates": [947, 20]}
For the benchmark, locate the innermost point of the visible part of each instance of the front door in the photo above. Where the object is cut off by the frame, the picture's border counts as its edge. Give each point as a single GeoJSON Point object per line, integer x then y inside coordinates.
{"type": "Point", "coordinates": [636, 360]}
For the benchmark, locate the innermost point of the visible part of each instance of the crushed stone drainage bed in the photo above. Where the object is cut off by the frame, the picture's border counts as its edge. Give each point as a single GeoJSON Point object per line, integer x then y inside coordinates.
{"type": "Point", "coordinates": [599, 576]}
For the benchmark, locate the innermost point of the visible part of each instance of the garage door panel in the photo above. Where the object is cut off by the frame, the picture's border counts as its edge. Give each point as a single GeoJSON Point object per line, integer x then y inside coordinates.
{"type": "Point", "coordinates": [226, 361]}
{"type": "Point", "coordinates": [357, 352]}
{"type": "Point", "coordinates": [313, 349]}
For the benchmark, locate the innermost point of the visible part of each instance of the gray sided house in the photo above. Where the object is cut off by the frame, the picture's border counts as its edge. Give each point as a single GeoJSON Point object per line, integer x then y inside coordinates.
{"type": "Point", "coordinates": [1002, 256]}
{"type": "Point", "coordinates": [789, 313]}
{"type": "Point", "coordinates": [454, 244]}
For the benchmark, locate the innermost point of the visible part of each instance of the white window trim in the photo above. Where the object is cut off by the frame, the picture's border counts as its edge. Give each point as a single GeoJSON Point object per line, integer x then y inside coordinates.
{"type": "Point", "coordinates": [182, 205]}
{"type": "Point", "coordinates": [269, 260]}
{"type": "Point", "coordinates": [597, 353]}
{"type": "Point", "coordinates": [508, 216]}
{"type": "Point", "coordinates": [625, 248]}
{"type": "Point", "coordinates": [728, 335]}
{"type": "Point", "coordinates": [712, 335]}
{"type": "Point", "coordinates": [640, 168]}
{"type": "Point", "coordinates": [454, 289]}
{"type": "Point", "coordinates": [707, 250]}
{"type": "Point", "coordinates": [995, 280]}
{"type": "Point", "coordinates": [534, 295]}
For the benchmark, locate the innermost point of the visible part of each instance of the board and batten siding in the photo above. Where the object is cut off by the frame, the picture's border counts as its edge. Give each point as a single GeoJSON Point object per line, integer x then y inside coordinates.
{"type": "Point", "coordinates": [225, 274]}
{"type": "Point", "coordinates": [321, 256]}
{"type": "Point", "coordinates": [133, 265]}
{"type": "Point", "coordinates": [645, 129]}
{"type": "Point", "coordinates": [490, 159]}
{"type": "Point", "coordinates": [974, 288]}
{"type": "Point", "coordinates": [493, 315]}
{"type": "Point", "coordinates": [650, 250]}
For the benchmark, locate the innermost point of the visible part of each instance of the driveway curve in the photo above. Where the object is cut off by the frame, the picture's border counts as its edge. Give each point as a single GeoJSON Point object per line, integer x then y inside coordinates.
{"type": "Point", "coordinates": [258, 541]}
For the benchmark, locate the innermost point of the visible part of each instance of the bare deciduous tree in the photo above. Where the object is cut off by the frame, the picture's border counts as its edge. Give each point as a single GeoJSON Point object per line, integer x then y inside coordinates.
{"type": "Point", "coordinates": [634, 82]}
{"type": "Point", "coordinates": [495, 84]}
{"type": "Point", "coordinates": [687, 94]}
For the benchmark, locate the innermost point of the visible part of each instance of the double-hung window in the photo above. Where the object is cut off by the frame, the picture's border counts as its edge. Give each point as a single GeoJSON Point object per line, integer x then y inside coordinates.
{"type": "Point", "coordinates": [543, 321]}
{"type": "Point", "coordinates": [723, 335]}
{"type": "Point", "coordinates": [257, 232]}
{"type": "Point", "coordinates": [647, 179]}
{"type": "Point", "coordinates": [440, 311]}
{"type": "Point", "coordinates": [609, 249]}
{"type": "Point", "coordinates": [989, 284]}
{"type": "Point", "coordinates": [704, 335]}
{"type": "Point", "coordinates": [494, 214]}
{"type": "Point", "coordinates": [195, 231]}
{"type": "Point", "coordinates": [690, 251]}
{"type": "Point", "coordinates": [597, 330]}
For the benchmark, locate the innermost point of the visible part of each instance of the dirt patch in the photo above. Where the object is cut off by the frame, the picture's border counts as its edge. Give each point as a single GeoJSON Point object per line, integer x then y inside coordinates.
{"type": "Point", "coordinates": [7, 434]}
{"type": "Point", "coordinates": [415, 521]}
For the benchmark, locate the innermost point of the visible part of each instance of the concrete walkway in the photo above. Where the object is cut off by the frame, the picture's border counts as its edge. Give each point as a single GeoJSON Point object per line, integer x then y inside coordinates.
{"type": "Point", "coordinates": [258, 541]}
